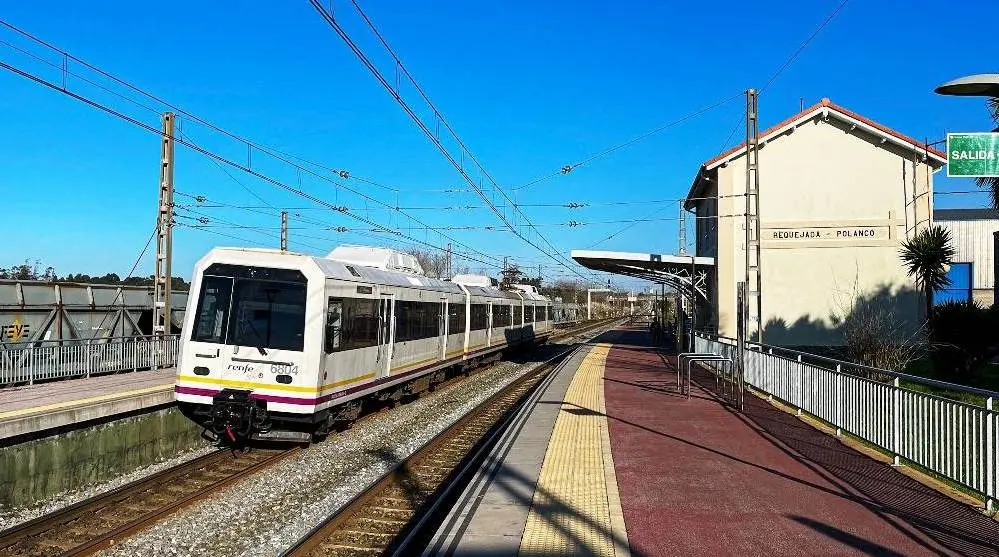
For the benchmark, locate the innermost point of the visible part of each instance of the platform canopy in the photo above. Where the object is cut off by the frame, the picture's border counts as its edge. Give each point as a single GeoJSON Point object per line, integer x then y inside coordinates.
{"type": "Point", "coordinates": [686, 273]}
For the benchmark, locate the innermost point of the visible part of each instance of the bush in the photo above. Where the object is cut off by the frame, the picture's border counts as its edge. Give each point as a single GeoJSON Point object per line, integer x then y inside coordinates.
{"type": "Point", "coordinates": [873, 336]}
{"type": "Point", "coordinates": [963, 338]}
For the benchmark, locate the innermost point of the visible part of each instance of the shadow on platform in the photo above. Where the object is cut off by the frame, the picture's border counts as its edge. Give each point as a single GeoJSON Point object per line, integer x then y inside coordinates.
{"type": "Point", "coordinates": [884, 490]}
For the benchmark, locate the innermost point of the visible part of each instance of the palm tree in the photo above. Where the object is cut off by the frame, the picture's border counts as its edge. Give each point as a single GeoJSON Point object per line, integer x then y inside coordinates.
{"type": "Point", "coordinates": [992, 183]}
{"type": "Point", "coordinates": [926, 256]}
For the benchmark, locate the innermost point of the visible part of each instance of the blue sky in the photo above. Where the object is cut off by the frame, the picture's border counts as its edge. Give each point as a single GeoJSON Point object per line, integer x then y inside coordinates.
{"type": "Point", "coordinates": [530, 86]}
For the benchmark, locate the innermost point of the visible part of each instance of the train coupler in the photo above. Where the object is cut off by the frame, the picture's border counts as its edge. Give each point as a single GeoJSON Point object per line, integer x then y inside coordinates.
{"type": "Point", "coordinates": [236, 416]}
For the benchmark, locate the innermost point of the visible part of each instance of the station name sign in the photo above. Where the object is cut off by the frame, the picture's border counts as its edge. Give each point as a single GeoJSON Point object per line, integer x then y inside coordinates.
{"type": "Point", "coordinates": [973, 155]}
{"type": "Point", "coordinates": [832, 233]}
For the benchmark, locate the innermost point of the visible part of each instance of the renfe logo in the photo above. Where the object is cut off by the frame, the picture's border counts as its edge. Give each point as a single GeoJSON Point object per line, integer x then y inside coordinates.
{"type": "Point", "coordinates": [245, 368]}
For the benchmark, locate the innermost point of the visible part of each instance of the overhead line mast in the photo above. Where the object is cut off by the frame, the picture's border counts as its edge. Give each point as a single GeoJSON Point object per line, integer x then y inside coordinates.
{"type": "Point", "coordinates": [163, 279]}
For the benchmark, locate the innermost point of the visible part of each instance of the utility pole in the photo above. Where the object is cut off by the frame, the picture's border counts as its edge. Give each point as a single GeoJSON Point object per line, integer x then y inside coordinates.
{"type": "Point", "coordinates": [682, 231]}
{"type": "Point", "coordinates": [284, 230]}
{"type": "Point", "coordinates": [447, 262]}
{"type": "Point", "coordinates": [163, 282]}
{"type": "Point", "coordinates": [754, 294]}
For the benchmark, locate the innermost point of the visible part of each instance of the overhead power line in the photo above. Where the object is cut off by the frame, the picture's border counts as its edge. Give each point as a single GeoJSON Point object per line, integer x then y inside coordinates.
{"type": "Point", "coordinates": [219, 158]}
{"type": "Point", "coordinates": [434, 136]}
{"type": "Point", "coordinates": [570, 167]}
{"type": "Point", "coordinates": [787, 63]}
{"type": "Point", "coordinates": [252, 146]}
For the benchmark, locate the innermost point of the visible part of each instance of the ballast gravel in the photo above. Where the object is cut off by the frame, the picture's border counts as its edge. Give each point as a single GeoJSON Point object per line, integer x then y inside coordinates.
{"type": "Point", "coordinates": [268, 512]}
{"type": "Point", "coordinates": [12, 517]}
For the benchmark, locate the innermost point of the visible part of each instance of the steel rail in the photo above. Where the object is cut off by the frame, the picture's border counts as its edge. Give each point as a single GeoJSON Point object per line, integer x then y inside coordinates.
{"type": "Point", "coordinates": [389, 514]}
{"type": "Point", "coordinates": [95, 523]}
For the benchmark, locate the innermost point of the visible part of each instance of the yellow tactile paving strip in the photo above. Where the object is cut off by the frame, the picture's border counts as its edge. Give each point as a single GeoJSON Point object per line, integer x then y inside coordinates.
{"type": "Point", "coordinates": [576, 509]}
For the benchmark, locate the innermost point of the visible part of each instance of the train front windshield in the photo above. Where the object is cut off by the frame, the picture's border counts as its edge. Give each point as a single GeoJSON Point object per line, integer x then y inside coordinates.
{"type": "Point", "coordinates": [251, 306]}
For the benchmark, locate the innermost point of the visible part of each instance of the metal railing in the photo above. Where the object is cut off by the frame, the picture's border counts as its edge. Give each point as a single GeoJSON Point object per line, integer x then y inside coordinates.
{"type": "Point", "coordinates": [29, 362]}
{"type": "Point", "coordinates": [956, 440]}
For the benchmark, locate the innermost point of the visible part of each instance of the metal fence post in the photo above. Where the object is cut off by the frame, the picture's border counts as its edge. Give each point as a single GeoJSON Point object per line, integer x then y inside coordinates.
{"type": "Point", "coordinates": [152, 355]}
{"type": "Point", "coordinates": [991, 457]}
{"type": "Point", "coordinates": [801, 384]}
{"type": "Point", "coordinates": [31, 365]}
{"type": "Point", "coordinates": [770, 386]}
{"type": "Point", "coordinates": [896, 421]}
{"type": "Point", "coordinates": [87, 356]}
{"type": "Point", "coordinates": [839, 400]}
{"type": "Point", "coordinates": [135, 354]}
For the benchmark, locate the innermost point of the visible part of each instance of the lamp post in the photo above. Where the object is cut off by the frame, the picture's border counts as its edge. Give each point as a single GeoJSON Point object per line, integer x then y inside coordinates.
{"type": "Point", "coordinates": [979, 85]}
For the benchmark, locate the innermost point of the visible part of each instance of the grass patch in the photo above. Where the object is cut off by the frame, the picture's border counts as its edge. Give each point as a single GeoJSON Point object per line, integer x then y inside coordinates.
{"type": "Point", "coordinates": [987, 378]}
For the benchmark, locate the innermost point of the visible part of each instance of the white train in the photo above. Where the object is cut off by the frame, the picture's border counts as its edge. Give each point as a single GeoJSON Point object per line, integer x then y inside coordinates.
{"type": "Point", "coordinates": [283, 345]}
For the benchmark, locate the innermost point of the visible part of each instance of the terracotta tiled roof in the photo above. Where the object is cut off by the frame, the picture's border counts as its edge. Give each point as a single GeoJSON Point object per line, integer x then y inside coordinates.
{"type": "Point", "coordinates": [806, 113]}
{"type": "Point", "coordinates": [833, 106]}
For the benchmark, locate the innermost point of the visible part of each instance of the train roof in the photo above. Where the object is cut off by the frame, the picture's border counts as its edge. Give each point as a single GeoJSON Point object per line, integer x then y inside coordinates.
{"type": "Point", "coordinates": [352, 272]}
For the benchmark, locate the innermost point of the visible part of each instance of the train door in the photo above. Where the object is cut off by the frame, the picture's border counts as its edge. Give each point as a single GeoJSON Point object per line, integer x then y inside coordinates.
{"type": "Point", "coordinates": [386, 333]}
{"type": "Point", "coordinates": [443, 328]}
{"type": "Point", "coordinates": [489, 324]}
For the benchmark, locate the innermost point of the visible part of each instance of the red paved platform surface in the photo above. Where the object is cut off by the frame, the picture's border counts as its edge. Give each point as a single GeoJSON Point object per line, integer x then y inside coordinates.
{"type": "Point", "coordinates": [698, 479]}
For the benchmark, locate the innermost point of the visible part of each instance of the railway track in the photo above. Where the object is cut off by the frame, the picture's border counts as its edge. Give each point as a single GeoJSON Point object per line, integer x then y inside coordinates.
{"type": "Point", "coordinates": [95, 524]}
{"type": "Point", "coordinates": [380, 519]}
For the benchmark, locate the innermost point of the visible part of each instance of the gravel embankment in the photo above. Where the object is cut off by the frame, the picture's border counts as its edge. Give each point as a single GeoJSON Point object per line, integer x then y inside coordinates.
{"type": "Point", "coordinates": [12, 517]}
{"type": "Point", "coordinates": [265, 514]}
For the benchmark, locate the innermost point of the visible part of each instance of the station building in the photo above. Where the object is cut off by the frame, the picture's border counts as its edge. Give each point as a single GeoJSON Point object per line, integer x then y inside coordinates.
{"type": "Point", "coordinates": [838, 194]}
{"type": "Point", "coordinates": [973, 234]}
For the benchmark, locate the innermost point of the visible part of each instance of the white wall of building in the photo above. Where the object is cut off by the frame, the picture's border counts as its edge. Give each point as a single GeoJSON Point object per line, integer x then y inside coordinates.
{"type": "Point", "coordinates": [835, 205]}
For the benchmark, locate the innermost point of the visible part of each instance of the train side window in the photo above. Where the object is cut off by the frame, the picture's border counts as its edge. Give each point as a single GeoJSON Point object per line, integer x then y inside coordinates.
{"type": "Point", "coordinates": [334, 325]}
{"type": "Point", "coordinates": [361, 321]}
{"type": "Point", "coordinates": [456, 318]}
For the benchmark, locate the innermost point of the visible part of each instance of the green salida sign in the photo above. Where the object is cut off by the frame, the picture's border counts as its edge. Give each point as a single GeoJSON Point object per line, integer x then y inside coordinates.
{"type": "Point", "coordinates": [973, 154]}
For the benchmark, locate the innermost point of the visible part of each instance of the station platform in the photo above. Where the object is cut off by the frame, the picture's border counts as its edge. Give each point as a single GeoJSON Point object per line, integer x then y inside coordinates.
{"type": "Point", "coordinates": [607, 458]}
{"type": "Point", "coordinates": [36, 410]}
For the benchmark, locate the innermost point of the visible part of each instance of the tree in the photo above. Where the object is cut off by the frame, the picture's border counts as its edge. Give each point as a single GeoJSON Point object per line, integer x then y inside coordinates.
{"type": "Point", "coordinates": [434, 264]}
{"type": "Point", "coordinates": [992, 183]}
{"type": "Point", "coordinates": [926, 256]}
{"type": "Point", "coordinates": [511, 275]}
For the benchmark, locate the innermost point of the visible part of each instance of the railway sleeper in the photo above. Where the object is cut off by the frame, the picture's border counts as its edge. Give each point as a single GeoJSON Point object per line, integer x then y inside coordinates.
{"type": "Point", "coordinates": [362, 539]}
{"type": "Point", "coordinates": [342, 550]}
{"type": "Point", "coordinates": [378, 525]}
{"type": "Point", "coordinates": [386, 513]}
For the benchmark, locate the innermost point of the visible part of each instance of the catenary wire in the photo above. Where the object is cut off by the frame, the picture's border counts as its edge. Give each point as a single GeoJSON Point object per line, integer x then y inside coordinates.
{"type": "Point", "coordinates": [555, 255]}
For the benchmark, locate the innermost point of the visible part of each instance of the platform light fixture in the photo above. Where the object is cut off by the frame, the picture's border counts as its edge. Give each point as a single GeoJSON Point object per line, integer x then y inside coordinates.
{"type": "Point", "coordinates": [979, 85]}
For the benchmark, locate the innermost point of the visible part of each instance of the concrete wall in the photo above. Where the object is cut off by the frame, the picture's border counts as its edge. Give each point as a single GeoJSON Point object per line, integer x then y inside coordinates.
{"type": "Point", "coordinates": [835, 205]}
{"type": "Point", "coordinates": [34, 471]}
